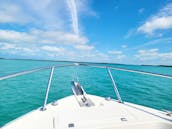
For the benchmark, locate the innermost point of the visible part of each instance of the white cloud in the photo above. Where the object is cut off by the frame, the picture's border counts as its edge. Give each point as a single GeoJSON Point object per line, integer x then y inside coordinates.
{"type": "Point", "coordinates": [6, 46]}
{"type": "Point", "coordinates": [59, 37]}
{"type": "Point", "coordinates": [14, 36]}
{"type": "Point", "coordinates": [30, 51]}
{"type": "Point", "coordinates": [55, 52]}
{"type": "Point", "coordinates": [48, 15]}
{"type": "Point", "coordinates": [157, 23]}
{"type": "Point", "coordinates": [53, 49]}
{"type": "Point", "coordinates": [165, 41]}
{"type": "Point", "coordinates": [84, 47]}
{"type": "Point", "coordinates": [45, 30]}
{"type": "Point", "coordinates": [84, 8]}
{"type": "Point", "coordinates": [39, 36]}
{"type": "Point", "coordinates": [92, 56]}
{"type": "Point", "coordinates": [17, 49]}
{"type": "Point", "coordinates": [68, 54]}
{"type": "Point", "coordinates": [117, 55]}
{"type": "Point", "coordinates": [153, 56]}
{"type": "Point", "coordinates": [160, 21]}
{"type": "Point", "coordinates": [51, 14]}
{"type": "Point", "coordinates": [10, 12]}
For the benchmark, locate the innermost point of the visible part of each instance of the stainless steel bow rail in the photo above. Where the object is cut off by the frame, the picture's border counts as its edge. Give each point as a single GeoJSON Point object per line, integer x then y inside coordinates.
{"type": "Point", "coordinates": [48, 88]}
{"type": "Point", "coordinates": [108, 68]}
{"type": "Point", "coordinates": [130, 70]}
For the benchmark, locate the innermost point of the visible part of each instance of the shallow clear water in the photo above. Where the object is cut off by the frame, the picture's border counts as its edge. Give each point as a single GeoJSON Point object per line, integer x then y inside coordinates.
{"type": "Point", "coordinates": [22, 94]}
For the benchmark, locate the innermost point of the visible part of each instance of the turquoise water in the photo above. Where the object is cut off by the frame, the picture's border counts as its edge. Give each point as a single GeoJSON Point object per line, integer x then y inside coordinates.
{"type": "Point", "coordinates": [22, 94]}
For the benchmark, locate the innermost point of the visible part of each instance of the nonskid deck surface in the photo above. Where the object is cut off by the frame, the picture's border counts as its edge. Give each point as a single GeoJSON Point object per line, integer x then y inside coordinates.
{"type": "Point", "coordinates": [68, 114]}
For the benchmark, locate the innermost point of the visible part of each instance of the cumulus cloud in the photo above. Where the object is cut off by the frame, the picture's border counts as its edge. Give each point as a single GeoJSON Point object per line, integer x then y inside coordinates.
{"type": "Point", "coordinates": [117, 55]}
{"type": "Point", "coordinates": [15, 36]}
{"type": "Point", "coordinates": [43, 37]}
{"type": "Point", "coordinates": [48, 15]}
{"type": "Point", "coordinates": [15, 49]}
{"type": "Point", "coordinates": [160, 21]}
{"type": "Point", "coordinates": [12, 13]}
{"type": "Point", "coordinates": [53, 49]}
{"type": "Point", "coordinates": [45, 30]}
{"type": "Point", "coordinates": [51, 14]}
{"type": "Point", "coordinates": [153, 56]}
{"type": "Point", "coordinates": [79, 55]}
{"type": "Point", "coordinates": [92, 56]}
{"type": "Point", "coordinates": [84, 47]}
{"type": "Point", "coordinates": [6, 46]}
{"type": "Point", "coordinates": [157, 23]}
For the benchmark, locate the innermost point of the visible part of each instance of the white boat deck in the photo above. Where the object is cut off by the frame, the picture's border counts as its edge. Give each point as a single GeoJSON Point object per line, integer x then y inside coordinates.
{"type": "Point", "coordinates": [68, 114]}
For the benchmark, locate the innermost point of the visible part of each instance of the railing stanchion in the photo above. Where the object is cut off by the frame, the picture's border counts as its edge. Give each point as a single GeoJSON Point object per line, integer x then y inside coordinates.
{"type": "Point", "coordinates": [48, 88]}
{"type": "Point", "coordinates": [114, 85]}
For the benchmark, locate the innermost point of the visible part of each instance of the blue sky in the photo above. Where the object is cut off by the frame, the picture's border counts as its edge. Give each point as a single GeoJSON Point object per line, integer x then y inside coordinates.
{"type": "Point", "coordinates": [117, 31]}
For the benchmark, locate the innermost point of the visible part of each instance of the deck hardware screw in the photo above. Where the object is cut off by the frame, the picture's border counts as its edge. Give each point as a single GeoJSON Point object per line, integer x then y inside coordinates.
{"type": "Point", "coordinates": [55, 103]}
{"type": "Point", "coordinates": [123, 119]}
{"type": "Point", "coordinates": [108, 98]}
